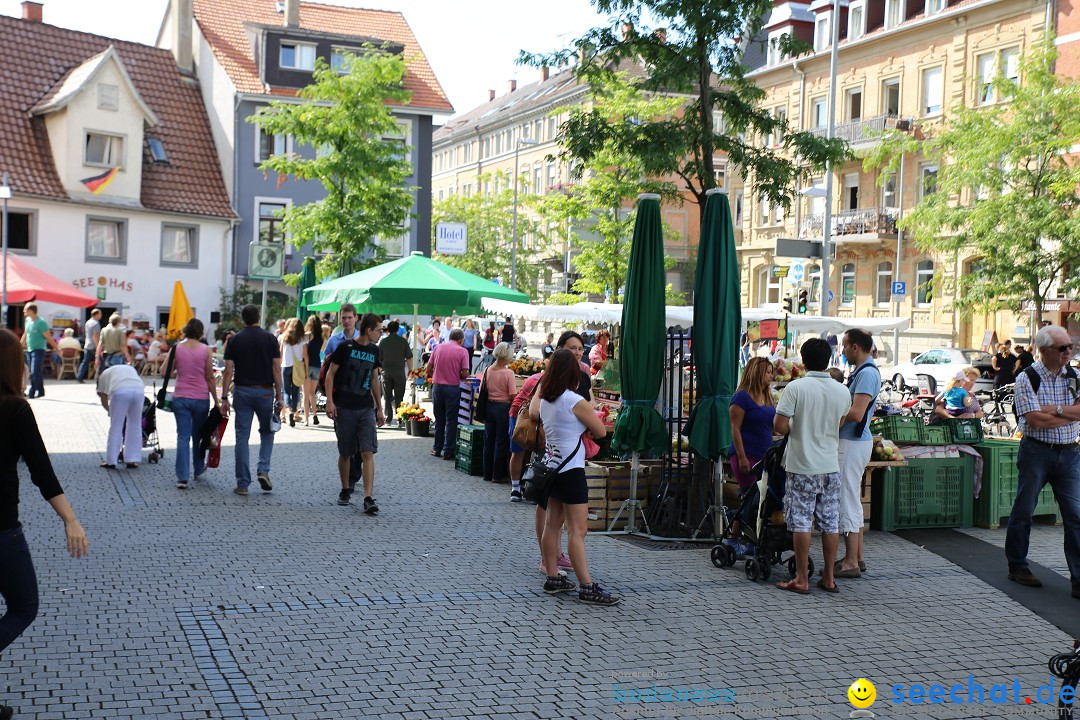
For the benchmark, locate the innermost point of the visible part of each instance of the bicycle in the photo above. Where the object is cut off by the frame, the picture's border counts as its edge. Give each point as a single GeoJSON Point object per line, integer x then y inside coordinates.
{"type": "Point", "coordinates": [1066, 666]}
{"type": "Point", "coordinates": [996, 417]}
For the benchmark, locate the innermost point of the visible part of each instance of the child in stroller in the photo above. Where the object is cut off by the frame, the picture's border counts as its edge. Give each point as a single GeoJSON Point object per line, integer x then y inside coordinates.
{"type": "Point", "coordinates": [756, 531]}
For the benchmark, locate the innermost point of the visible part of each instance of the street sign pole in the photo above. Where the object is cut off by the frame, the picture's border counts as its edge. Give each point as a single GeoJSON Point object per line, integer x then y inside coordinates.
{"type": "Point", "coordinates": [896, 270]}
{"type": "Point", "coordinates": [262, 306]}
{"type": "Point", "coordinates": [826, 259]}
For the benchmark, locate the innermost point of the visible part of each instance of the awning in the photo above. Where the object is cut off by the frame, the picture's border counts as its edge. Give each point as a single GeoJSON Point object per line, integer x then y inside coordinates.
{"type": "Point", "coordinates": [26, 283]}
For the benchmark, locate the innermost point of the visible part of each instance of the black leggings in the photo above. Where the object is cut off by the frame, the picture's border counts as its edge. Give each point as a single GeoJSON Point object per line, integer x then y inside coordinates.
{"type": "Point", "coordinates": [18, 585]}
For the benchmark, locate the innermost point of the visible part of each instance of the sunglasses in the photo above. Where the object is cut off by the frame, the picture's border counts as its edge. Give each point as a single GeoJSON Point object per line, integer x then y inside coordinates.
{"type": "Point", "coordinates": [1064, 348]}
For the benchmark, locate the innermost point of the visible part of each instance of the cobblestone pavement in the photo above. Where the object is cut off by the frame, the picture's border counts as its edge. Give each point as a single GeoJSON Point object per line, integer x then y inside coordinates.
{"type": "Point", "coordinates": [203, 604]}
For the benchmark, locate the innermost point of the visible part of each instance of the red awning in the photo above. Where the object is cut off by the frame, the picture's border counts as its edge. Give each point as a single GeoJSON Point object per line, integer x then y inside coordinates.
{"type": "Point", "coordinates": [26, 283]}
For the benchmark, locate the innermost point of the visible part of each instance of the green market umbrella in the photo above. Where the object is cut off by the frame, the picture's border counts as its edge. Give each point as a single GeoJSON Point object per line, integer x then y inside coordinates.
{"type": "Point", "coordinates": [639, 427]}
{"type": "Point", "coordinates": [307, 279]}
{"type": "Point", "coordinates": [412, 284]}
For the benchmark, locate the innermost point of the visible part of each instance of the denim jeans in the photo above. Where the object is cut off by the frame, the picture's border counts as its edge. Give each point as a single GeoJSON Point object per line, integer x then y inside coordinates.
{"type": "Point", "coordinates": [36, 360]}
{"type": "Point", "coordinates": [496, 440]}
{"type": "Point", "coordinates": [190, 417]}
{"type": "Point", "coordinates": [18, 585]}
{"type": "Point", "coordinates": [1038, 465]}
{"type": "Point", "coordinates": [116, 358]}
{"type": "Point", "coordinates": [291, 392]}
{"type": "Point", "coordinates": [249, 401]}
{"type": "Point", "coordinates": [446, 399]}
{"type": "Point", "coordinates": [84, 366]}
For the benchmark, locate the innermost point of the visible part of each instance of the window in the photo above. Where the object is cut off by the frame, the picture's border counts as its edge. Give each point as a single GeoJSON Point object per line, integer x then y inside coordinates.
{"type": "Point", "coordinates": [105, 240]}
{"type": "Point", "coordinates": [854, 105]}
{"type": "Point", "coordinates": [888, 193]}
{"type": "Point", "coordinates": [894, 13]}
{"type": "Point", "coordinates": [269, 145]}
{"type": "Point", "coordinates": [738, 207]}
{"type": "Point", "coordinates": [851, 191]}
{"type": "Point", "coordinates": [856, 20]}
{"type": "Point", "coordinates": [924, 283]}
{"type": "Point", "coordinates": [339, 59]}
{"type": "Point", "coordinates": [720, 173]}
{"type": "Point", "coordinates": [933, 90]}
{"type": "Point", "coordinates": [775, 56]}
{"type": "Point", "coordinates": [103, 150]}
{"type": "Point", "coordinates": [985, 66]}
{"type": "Point", "coordinates": [466, 150]}
{"type": "Point", "coordinates": [157, 151]}
{"type": "Point", "coordinates": [763, 210]}
{"type": "Point", "coordinates": [890, 97]}
{"type": "Point", "coordinates": [822, 33]}
{"type": "Point", "coordinates": [847, 284]}
{"type": "Point", "coordinates": [498, 143]}
{"type": "Point", "coordinates": [813, 276]}
{"type": "Point", "coordinates": [768, 287]}
{"type": "Point", "coordinates": [296, 56]}
{"type": "Point", "coordinates": [21, 228]}
{"type": "Point", "coordinates": [777, 137]}
{"type": "Point", "coordinates": [718, 125]}
{"type": "Point", "coordinates": [820, 116]}
{"type": "Point", "coordinates": [933, 7]}
{"type": "Point", "coordinates": [538, 189]}
{"type": "Point", "coordinates": [270, 224]}
{"type": "Point", "coordinates": [538, 127]}
{"type": "Point", "coordinates": [927, 180]}
{"type": "Point", "coordinates": [883, 287]}
{"type": "Point", "coordinates": [778, 214]}
{"type": "Point", "coordinates": [395, 246]}
{"type": "Point", "coordinates": [1010, 60]}
{"type": "Point", "coordinates": [553, 128]}
{"type": "Point", "coordinates": [108, 97]}
{"type": "Point", "coordinates": [551, 175]}
{"type": "Point", "coordinates": [179, 245]}
{"type": "Point", "coordinates": [523, 180]}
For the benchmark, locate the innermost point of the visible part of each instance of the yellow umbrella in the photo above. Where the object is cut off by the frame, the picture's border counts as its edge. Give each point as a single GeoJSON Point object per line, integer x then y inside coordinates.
{"type": "Point", "coordinates": [179, 312]}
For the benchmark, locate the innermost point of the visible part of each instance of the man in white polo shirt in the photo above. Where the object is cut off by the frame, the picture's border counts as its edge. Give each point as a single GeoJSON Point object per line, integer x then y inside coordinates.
{"type": "Point", "coordinates": [809, 413]}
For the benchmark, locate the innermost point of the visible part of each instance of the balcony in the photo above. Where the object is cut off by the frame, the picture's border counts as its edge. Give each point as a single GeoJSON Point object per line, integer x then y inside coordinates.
{"type": "Point", "coordinates": [864, 225]}
{"type": "Point", "coordinates": [861, 134]}
{"type": "Point", "coordinates": [677, 251]}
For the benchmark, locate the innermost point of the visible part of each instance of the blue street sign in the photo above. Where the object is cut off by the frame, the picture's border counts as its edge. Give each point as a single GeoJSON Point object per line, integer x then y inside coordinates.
{"type": "Point", "coordinates": [831, 296]}
{"type": "Point", "coordinates": [797, 271]}
{"type": "Point", "coordinates": [899, 288]}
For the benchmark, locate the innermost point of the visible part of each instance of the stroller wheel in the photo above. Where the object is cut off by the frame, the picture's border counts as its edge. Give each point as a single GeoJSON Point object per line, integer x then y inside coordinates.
{"type": "Point", "coordinates": [729, 555]}
{"type": "Point", "coordinates": [718, 556]}
{"type": "Point", "coordinates": [764, 569]}
{"type": "Point", "coordinates": [791, 566]}
{"type": "Point", "coordinates": [751, 569]}
{"type": "Point", "coordinates": [809, 567]}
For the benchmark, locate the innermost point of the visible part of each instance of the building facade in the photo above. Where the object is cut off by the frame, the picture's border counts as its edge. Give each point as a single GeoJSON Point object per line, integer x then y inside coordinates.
{"type": "Point", "coordinates": [900, 63]}
{"type": "Point", "coordinates": [115, 182]}
{"type": "Point", "coordinates": [248, 53]}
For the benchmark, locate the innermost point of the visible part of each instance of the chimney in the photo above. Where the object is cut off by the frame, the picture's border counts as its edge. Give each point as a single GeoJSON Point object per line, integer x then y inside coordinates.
{"type": "Point", "coordinates": [31, 11]}
{"type": "Point", "coordinates": [543, 73]}
{"type": "Point", "coordinates": [491, 95]}
{"type": "Point", "coordinates": [292, 13]}
{"type": "Point", "coordinates": [181, 33]}
{"type": "Point", "coordinates": [513, 85]}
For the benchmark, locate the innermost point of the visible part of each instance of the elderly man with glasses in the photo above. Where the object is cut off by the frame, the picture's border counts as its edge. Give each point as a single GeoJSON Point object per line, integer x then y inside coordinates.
{"type": "Point", "coordinates": [1048, 404]}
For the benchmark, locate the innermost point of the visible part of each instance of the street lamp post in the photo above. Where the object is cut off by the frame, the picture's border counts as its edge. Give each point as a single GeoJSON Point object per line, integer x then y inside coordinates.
{"type": "Point", "coordinates": [513, 249]}
{"type": "Point", "coordinates": [826, 249]}
{"type": "Point", "coordinates": [5, 193]}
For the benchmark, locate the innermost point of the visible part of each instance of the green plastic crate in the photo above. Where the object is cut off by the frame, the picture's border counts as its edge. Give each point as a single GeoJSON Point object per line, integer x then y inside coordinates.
{"type": "Point", "coordinates": [966, 431]}
{"type": "Point", "coordinates": [935, 435]}
{"type": "Point", "coordinates": [901, 429]}
{"type": "Point", "coordinates": [927, 493]}
{"type": "Point", "coordinates": [469, 466]}
{"type": "Point", "coordinates": [999, 482]}
{"type": "Point", "coordinates": [470, 434]}
{"type": "Point", "coordinates": [474, 453]}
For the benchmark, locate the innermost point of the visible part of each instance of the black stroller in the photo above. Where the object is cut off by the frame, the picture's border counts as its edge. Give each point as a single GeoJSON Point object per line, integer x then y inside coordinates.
{"type": "Point", "coordinates": [760, 504]}
{"type": "Point", "coordinates": [150, 439]}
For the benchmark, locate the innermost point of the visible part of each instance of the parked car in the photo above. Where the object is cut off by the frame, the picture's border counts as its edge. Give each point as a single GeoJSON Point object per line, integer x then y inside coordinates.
{"type": "Point", "coordinates": [942, 364]}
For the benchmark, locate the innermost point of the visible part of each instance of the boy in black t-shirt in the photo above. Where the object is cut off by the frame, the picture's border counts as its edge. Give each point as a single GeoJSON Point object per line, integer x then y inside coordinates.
{"type": "Point", "coordinates": [354, 403]}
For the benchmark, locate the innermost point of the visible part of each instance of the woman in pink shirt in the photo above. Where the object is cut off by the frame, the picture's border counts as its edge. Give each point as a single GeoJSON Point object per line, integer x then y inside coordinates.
{"type": "Point", "coordinates": [194, 369]}
{"type": "Point", "coordinates": [501, 388]}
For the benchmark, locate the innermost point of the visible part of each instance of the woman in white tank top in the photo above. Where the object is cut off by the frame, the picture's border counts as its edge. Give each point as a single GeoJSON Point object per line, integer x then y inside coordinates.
{"type": "Point", "coordinates": [566, 416]}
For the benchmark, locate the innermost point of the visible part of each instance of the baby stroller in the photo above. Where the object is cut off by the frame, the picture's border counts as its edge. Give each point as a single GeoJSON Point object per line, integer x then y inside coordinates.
{"type": "Point", "coordinates": [759, 504]}
{"type": "Point", "coordinates": [150, 439]}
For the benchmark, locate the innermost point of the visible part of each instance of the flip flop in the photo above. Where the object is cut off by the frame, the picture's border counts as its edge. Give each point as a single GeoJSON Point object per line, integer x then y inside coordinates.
{"type": "Point", "coordinates": [791, 588]}
{"type": "Point", "coordinates": [834, 589]}
{"type": "Point", "coordinates": [108, 466]}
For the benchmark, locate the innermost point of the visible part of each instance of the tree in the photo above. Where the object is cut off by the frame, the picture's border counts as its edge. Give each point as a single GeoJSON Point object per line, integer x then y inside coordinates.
{"type": "Point", "coordinates": [231, 303]}
{"type": "Point", "coordinates": [695, 53]}
{"type": "Point", "coordinates": [1006, 188]}
{"type": "Point", "coordinates": [359, 156]}
{"type": "Point", "coordinates": [592, 213]}
{"type": "Point", "coordinates": [490, 222]}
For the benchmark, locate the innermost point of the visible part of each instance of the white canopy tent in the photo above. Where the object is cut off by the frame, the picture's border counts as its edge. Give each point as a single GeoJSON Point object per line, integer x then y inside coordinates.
{"type": "Point", "coordinates": [611, 314]}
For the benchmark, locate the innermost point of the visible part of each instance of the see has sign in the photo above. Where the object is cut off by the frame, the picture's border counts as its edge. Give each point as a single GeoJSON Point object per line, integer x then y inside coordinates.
{"type": "Point", "coordinates": [451, 238]}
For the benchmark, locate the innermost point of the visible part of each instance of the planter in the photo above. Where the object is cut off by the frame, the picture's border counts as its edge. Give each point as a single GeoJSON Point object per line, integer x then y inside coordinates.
{"type": "Point", "coordinates": [420, 428]}
{"type": "Point", "coordinates": [408, 426]}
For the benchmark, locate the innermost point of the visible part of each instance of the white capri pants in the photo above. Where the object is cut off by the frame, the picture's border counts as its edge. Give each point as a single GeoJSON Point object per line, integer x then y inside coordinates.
{"type": "Point", "coordinates": [854, 455]}
{"type": "Point", "coordinates": [125, 404]}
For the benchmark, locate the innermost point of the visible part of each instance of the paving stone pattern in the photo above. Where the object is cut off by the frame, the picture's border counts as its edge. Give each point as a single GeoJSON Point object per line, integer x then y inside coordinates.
{"type": "Point", "coordinates": [203, 604]}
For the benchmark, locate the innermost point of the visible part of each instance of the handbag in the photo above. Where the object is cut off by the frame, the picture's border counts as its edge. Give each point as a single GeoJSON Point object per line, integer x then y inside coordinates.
{"type": "Point", "coordinates": [591, 447]}
{"type": "Point", "coordinates": [537, 478]}
{"type": "Point", "coordinates": [297, 370]}
{"type": "Point", "coordinates": [164, 397]}
{"type": "Point", "coordinates": [480, 411]}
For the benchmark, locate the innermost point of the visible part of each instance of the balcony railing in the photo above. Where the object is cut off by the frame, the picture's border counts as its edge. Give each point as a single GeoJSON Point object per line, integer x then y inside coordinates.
{"type": "Point", "coordinates": [861, 132]}
{"type": "Point", "coordinates": [677, 251]}
{"type": "Point", "coordinates": [860, 224]}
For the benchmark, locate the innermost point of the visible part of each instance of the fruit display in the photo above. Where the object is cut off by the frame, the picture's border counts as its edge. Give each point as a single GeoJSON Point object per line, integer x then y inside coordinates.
{"type": "Point", "coordinates": [680, 443]}
{"type": "Point", "coordinates": [885, 450]}
{"type": "Point", "coordinates": [527, 366]}
{"type": "Point", "coordinates": [607, 414]}
{"type": "Point", "coordinates": [787, 370]}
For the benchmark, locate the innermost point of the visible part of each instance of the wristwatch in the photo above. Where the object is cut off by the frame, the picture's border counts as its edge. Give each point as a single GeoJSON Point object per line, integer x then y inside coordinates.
{"type": "Point", "coordinates": [1058, 411]}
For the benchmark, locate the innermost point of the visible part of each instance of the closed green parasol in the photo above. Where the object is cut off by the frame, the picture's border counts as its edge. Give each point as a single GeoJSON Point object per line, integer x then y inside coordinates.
{"type": "Point", "coordinates": [717, 323]}
{"type": "Point", "coordinates": [307, 279]}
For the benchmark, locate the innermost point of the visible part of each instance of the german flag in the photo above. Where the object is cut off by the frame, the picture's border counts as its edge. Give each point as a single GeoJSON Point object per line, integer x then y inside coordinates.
{"type": "Point", "coordinates": [99, 182]}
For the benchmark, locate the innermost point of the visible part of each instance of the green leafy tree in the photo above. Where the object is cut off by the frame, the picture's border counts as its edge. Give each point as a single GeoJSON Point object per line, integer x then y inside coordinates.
{"type": "Point", "coordinates": [693, 51]}
{"type": "Point", "coordinates": [359, 157]}
{"type": "Point", "coordinates": [592, 213]}
{"type": "Point", "coordinates": [231, 303]}
{"type": "Point", "coordinates": [1006, 188]}
{"type": "Point", "coordinates": [490, 223]}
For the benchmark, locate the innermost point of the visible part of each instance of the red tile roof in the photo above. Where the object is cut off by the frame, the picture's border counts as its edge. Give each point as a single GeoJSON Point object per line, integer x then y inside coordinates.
{"type": "Point", "coordinates": [37, 56]}
{"type": "Point", "coordinates": [222, 24]}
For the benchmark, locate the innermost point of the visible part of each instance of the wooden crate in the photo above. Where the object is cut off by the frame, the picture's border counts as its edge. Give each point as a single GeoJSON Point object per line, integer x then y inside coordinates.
{"type": "Point", "coordinates": [609, 486]}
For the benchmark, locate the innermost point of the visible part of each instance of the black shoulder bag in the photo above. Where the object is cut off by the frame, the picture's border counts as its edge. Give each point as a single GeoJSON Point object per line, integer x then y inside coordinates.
{"type": "Point", "coordinates": [537, 478]}
{"type": "Point", "coordinates": [480, 411]}
{"type": "Point", "coordinates": [164, 397]}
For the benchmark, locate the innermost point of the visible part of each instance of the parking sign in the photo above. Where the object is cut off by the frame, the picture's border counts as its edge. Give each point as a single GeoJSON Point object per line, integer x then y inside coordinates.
{"type": "Point", "coordinates": [899, 288]}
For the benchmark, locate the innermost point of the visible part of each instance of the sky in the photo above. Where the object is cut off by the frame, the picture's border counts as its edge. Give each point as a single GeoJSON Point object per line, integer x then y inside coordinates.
{"type": "Point", "coordinates": [471, 44]}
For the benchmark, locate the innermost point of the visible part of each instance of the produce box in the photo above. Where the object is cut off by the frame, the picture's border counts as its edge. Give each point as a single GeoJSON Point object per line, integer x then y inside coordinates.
{"type": "Point", "coordinates": [965, 431]}
{"type": "Point", "coordinates": [928, 493]}
{"type": "Point", "coordinates": [468, 465]}
{"type": "Point", "coordinates": [901, 429]}
{"type": "Point", "coordinates": [470, 435]}
{"type": "Point", "coordinates": [935, 435]}
{"type": "Point", "coordinates": [995, 501]}
{"type": "Point", "coordinates": [609, 486]}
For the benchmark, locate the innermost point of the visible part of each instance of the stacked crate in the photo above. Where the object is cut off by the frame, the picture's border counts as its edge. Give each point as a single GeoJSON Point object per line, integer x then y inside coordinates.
{"type": "Point", "coordinates": [469, 449]}
{"type": "Point", "coordinates": [469, 387]}
{"type": "Point", "coordinates": [609, 486]}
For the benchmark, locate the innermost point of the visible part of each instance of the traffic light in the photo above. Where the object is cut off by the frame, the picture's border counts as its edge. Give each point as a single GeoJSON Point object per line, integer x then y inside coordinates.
{"type": "Point", "coordinates": [788, 300]}
{"type": "Point", "coordinates": [804, 298]}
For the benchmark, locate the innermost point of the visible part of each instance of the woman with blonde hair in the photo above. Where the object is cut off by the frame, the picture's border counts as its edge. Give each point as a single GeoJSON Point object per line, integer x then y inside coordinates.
{"type": "Point", "coordinates": [292, 353]}
{"type": "Point", "coordinates": [751, 411]}
{"type": "Point", "coordinates": [313, 356]}
{"type": "Point", "coordinates": [501, 387]}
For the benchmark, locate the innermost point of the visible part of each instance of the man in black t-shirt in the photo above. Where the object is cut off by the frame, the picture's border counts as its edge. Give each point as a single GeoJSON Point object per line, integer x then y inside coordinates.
{"type": "Point", "coordinates": [509, 333]}
{"type": "Point", "coordinates": [354, 403]}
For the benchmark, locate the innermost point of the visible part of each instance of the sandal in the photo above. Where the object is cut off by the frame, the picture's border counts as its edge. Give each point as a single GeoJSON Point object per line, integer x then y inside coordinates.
{"type": "Point", "coordinates": [436, 453]}
{"type": "Point", "coordinates": [108, 466]}
{"type": "Point", "coordinates": [790, 586]}
{"type": "Point", "coordinates": [834, 589]}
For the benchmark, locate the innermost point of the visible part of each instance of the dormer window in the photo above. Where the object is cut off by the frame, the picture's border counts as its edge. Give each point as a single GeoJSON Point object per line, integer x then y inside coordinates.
{"type": "Point", "coordinates": [103, 150]}
{"type": "Point", "coordinates": [297, 56]}
{"type": "Point", "coordinates": [933, 7]}
{"type": "Point", "coordinates": [856, 19]}
{"type": "Point", "coordinates": [822, 31]}
{"type": "Point", "coordinates": [775, 55]}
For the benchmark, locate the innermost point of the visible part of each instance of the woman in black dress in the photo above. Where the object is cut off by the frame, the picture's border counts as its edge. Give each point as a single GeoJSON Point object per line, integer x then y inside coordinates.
{"type": "Point", "coordinates": [18, 582]}
{"type": "Point", "coordinates": [1004, 363]}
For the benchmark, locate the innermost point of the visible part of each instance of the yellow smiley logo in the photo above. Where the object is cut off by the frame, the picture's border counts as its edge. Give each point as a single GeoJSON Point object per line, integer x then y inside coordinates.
{"type": "Point", "coordinates": [862, 693]}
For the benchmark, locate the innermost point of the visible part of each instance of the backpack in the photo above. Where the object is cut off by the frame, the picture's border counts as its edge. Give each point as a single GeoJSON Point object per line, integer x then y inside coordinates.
{"type": "Point", "coordinates": [1036, 380]}
{"type": "Point", "coordinates": [866, 416]}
